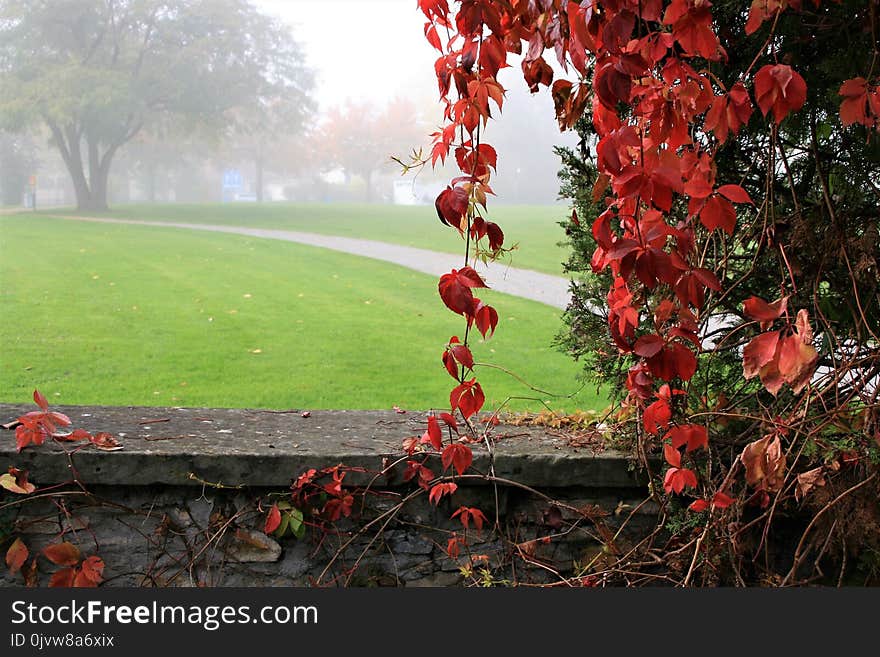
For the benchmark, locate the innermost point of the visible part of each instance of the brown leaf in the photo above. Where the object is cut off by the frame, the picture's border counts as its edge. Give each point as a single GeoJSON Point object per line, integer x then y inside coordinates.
{"type": "Point", "coordinates": [62, 554]}
{"type": "Point", "coordinates": [91, 573]}
{"type": "Point", "coordinates": [106, 442]}
{"type": "Point", "coordinates": [16, 481]}
{"type": "Point", "coordinates": [764, 463]}
{"type": "Point", "coordinates": [64, 578]}
{"type": "Point", "coordinates": [16, 555]}
{"type": "Point", "coordinates": [808, 480]}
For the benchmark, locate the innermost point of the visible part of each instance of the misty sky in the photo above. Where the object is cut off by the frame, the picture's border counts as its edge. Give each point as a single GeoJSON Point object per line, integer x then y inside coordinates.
{"type": "Point", "coordinates": [364, 49]}
{"type": "Point", "coordinates": [375, 50]}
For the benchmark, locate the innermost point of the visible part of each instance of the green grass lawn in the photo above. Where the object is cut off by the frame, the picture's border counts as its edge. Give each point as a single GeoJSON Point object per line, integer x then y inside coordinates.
{"type": "Point", "coordinates": [534, 228]}
{"type": "Point", "coordinates": [117, 315]}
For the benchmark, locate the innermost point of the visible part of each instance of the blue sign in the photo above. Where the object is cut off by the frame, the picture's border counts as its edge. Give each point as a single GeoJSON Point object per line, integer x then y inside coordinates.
{"type": "Point", "coordinates": [232, 182]}
{"type": "Point", "coordinates": [232, 178]}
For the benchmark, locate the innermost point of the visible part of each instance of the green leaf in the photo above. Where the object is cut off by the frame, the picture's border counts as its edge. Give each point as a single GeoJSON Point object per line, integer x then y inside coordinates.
{"type": "Point", "coordinates": [282, 528]}
{"type": "Point", "coordinates": [294, 518]}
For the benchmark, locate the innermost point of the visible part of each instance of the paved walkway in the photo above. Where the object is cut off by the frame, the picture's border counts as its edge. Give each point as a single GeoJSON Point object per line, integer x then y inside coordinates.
{"type": "Point", "coordinates": [544, 288]}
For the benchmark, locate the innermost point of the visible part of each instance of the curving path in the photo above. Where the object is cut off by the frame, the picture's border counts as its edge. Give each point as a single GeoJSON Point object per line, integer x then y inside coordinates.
{"type": "Point", "coordinates": [544, 288]}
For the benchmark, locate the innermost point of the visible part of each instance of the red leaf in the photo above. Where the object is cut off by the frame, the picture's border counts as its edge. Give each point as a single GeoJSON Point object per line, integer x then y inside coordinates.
{"type": "Point", "coordinates": [337, 507]}
{"type": "Point", "coordinates": [760, 11]}
{"type": "Point", "coordinates": [496, 235]}
{"type": "Point", "coordinates": [729, 112]}
{"type": "Point", "coordinates": [698, 506]}
{"type": "Point", "coordinates": [75, 435]}
{"type": "Point", "coordinates": [410, 445]}
{"type": "Point", "coordinates": [735, 193]}
{"type": "Point", "coordinates": [432, 36]}
{"type": "Point", "coordinates": [453, 546]}
{"type": "Point", "coordinates": [718, 213]}
{"type": "Point", "coordinates": [760, 351]}
{"type": "Point", "coordinates": [449, 420]}
{"type": "Point", "coordinates": [657, 416]}
{"type": "Point", "coordinates": [455, 290]}
{"type": "Point", "coordinates": [415, 469]}
{"type": "Point", "coordinates": [439, 490]}
{"type": "Point", "coordinates": [677, 479]}
{"type": "Point", "coordinates": [672, 455]}
{"type": "Point", "coordinates": [434, 434]}
{"type": "Point", "coordinates": [692, 27]}
{"type": "Point", "coordinates": [16, 555]}
{"type": "Point", "coordinates": [683, 361]}
{"type": "Point", "coordinates": [761, 311]}
{"type": "Point", "coordinates": [485, 318]}
{"type": "Point", "coordinates": [467, 514]}
{"type": "Point", "coordinates": [40, 400]}
{"type": "Point", "coordinates": [450, 364]}
{"type": "Point", "coordinates": [91, 573]}
{"type": "Point", "coordinates": [692, 435]}
{"type": "Point", "coordinates": [796, 362]}
{"type": "Point", "coordinates": [467, 397]}
{"type": "Point", "coordinates": [463, 355]}
{"type": "Point", "coordinates": [273, 520]}
{"type": "Point", "coordinates": [32, 430]}
{"type": "Point", "coordinates": [451, 205]}
{"type": "Point", "coordinates": [63, 578]}
{"type": "Point", "coordinates": [854, 107]}
{"type": "Point", "coordinates": [649, 345]}
{"type": "Point", "coordinates": [781, 89]}
{"type": "Point", "coordinates": [62, 554]}
{"type": "Point", "coordinates": [722, 500]}
{"type": "Point", "coordinates": [707, 278]}
{"type": "Point", "coordinates": [458, 456]}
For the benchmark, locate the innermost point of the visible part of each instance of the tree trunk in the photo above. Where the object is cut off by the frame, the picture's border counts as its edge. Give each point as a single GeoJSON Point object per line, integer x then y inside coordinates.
{"type": "Point", "coordinates": [98, 174]}
{"type": "Point", "coordinates": [91, 194]}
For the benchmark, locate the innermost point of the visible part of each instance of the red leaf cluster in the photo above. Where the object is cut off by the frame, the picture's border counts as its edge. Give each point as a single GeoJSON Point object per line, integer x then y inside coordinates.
{"type": "Point", "coordinates": [781, 89]}
{"type": "Point", "coordinates": [458, 456]}
{"type": "Point", "coordinates": [861, 103]}
{"type": "Point", "coordinates": [455, 290]}
{"type": "Point", "coordinates": [36, 426]}
{"type": "Point", "coordinates": [418, 471]}
{"type": "Point", "coordinates": [782, 356]}
{"type": "Point", "coordinates": [469, 514]}
{"type": "Point", "coordinates": [660, 116]}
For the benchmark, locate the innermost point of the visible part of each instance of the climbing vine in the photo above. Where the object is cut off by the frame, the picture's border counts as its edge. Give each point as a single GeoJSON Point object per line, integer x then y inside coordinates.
{"type": "Point", "coordinates": [669, 90]}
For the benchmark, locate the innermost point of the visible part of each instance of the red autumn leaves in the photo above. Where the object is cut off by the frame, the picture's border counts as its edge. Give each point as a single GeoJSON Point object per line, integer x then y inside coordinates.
{"type": "Point", "coordinates": [782, 356]}
{"type": "Point", "coordinates": [861, 103]}
{"type": "Point", "coordinates": [35, 427]}
{"type": "Point", "coordinates": [779, 89]}
{"type": "Point", "coordinates": [691, 437]}
{"type": "Point", "coordinates": [729, 112]}
{"type": "Point", "coordinates": [87, 573]}
{"type": "Point", "coordinates": [77, 572]}
{"type": "Point", "coordinates": [456, 291]}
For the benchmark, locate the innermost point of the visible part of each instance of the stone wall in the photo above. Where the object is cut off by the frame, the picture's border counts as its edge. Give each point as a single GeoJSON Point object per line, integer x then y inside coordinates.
{"type": "Point", "coordinates": [183, 503]}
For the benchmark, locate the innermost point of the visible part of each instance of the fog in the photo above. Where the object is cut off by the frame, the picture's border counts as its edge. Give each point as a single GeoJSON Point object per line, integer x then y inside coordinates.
{"type": "Point", "coordinates": [363, 92]}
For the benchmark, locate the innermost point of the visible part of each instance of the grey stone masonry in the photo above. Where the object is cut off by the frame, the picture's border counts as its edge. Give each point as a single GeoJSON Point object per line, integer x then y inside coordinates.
{"type": "Point", "coordinates": [183, 503]}
{"type": "Point", "coordinates": [268, 448]}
